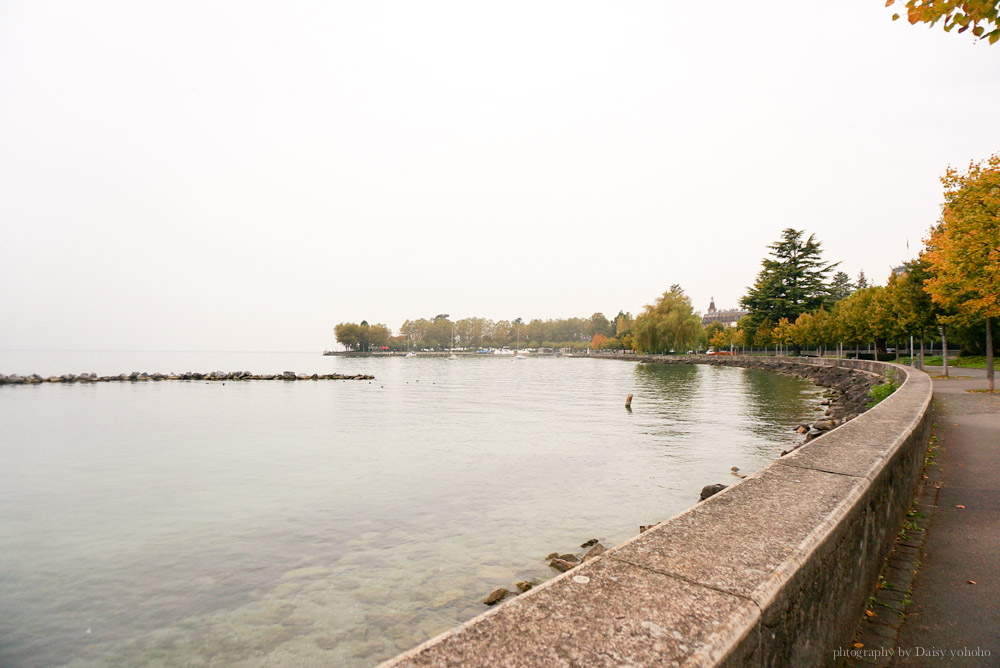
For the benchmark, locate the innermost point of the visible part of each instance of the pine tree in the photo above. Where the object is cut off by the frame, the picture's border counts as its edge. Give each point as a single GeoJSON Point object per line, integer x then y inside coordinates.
{"type": "Point", "coordinates": [841, 286]}
{"type": "Point", "coordinates": [793, 281]}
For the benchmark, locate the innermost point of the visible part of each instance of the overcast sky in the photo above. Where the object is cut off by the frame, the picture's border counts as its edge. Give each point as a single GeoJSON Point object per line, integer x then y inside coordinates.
{"type": "Point", "coordinates": [244, 175]}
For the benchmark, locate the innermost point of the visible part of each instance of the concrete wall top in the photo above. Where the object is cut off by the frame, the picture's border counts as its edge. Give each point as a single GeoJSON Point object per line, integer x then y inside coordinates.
{"type": "Point", "coordinates": [755, 575]}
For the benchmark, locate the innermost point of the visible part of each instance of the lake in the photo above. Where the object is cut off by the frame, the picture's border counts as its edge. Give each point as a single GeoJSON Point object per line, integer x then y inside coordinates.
{"type": "Point", "coordinates": [336, 522]}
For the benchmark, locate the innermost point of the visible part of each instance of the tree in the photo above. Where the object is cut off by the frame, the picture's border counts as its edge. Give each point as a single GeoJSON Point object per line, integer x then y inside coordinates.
{"type": "Point", "coordinates": [853, 318]}
{"type": "Point", "coordinates": [964, 251]}
{"type": "Point", "coordinates": [378, 336]}
{"type": "Point", "coordinates": [623, 323]}
{"type": "Point", "coordinates": [711, 329]}
{"type": "Point", "coordinates": [916, 312]}
{"type": "Point", "coordinates": [669, 324]}
{"type": "Point", "coordinates": [348, 334]}
{"type": "Point", "coordinates": [597, 343]}
{"type": "Point", "coordinates": [598, 324]}
{"type": "Point", "coordinates": [862, 281]}
{"type": "Point", "coordinates": [793, 281]}
{"type": "Point", "coordinates": [983, 16]}
{"type": "Point", "coordinates": [721, 338]}
{"type": "Point", "coordinates": [841, 286]}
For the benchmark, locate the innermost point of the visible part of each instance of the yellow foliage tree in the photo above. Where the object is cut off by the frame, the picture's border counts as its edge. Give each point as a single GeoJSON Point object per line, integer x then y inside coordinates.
{"type": "Point", "coordinates": [964, 250]}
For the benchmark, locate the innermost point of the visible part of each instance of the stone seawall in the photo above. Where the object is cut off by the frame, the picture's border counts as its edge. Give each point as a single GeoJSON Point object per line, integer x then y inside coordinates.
{"type": "Point", "coordinates": [139, 377]}
{"type": "Point", "coordinates": [773, 571]}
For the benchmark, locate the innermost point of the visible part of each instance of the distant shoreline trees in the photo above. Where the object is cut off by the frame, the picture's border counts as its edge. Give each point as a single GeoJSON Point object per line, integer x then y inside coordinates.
{"type": "Point", "coordinates": [436, 333]}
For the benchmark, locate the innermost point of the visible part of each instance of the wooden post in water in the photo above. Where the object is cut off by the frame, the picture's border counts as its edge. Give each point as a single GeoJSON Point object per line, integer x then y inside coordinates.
{"type": "Point", "coordinates": [628, 401]}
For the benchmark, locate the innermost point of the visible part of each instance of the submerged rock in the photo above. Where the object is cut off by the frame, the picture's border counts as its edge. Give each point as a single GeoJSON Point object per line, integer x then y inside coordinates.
{"type": "Point", "coordinates": [495, 596]}
{"type": "Point", "coordinates": [524, 586]}
{"type": "Point", "coordinates": [592, 541]}
{"type": "Point", "coordinates": [595, 551]}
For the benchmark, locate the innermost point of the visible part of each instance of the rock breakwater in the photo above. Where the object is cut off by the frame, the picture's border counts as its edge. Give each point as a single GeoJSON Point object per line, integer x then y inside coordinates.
{"type": "Point", "coordinates": [139, 377]}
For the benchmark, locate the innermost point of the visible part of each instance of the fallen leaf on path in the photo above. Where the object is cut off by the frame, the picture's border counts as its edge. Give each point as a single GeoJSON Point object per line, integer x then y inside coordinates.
{"type": "Point", "coordinates": [971, 582]}
{"type": "Point", "coordinates": [960, 506]}
{"type": "Point", "coordinates": [859, 645]}
{"type": "Point", "coordinates": [869, 613]}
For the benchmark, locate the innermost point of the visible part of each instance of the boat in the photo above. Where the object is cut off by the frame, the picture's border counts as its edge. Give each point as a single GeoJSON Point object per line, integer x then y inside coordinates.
{"type": "Point", "coordinates": [451, 351]}
{"type": "Point", "coordinates": [518, 353]}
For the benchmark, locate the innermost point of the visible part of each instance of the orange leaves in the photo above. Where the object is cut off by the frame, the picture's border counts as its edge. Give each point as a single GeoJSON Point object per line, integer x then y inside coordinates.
{"type": "Point", "coordinates": [983, 17]}
{"type": "Point", "coordinates": [959, 250]}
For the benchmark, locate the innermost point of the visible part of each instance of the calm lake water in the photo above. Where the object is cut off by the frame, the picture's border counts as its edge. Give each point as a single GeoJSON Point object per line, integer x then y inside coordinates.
{"type": "Point", "coordinates": [329, 522]}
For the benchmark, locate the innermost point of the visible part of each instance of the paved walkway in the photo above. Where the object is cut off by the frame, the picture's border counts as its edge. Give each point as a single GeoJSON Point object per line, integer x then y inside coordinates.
{"type": "Point", "coordinates": [951, 621]}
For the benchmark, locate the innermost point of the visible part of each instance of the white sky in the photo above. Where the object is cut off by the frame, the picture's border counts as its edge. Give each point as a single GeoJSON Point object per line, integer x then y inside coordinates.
{"type": "Point", "coordinates": [244, 175]}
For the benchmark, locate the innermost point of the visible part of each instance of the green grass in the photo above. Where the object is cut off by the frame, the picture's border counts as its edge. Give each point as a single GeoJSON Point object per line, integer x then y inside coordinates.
{"type": "Point", "coordinates": [966, 361]}
{"type": "Point", "coordinates": [880, 392]}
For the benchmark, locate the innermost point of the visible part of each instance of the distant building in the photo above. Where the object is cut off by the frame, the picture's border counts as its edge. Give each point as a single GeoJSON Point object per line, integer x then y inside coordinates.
{"type": "Point", "coordinates": [729, 317]}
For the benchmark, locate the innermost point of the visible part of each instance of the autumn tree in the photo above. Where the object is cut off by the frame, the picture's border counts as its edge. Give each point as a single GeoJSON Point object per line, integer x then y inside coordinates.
{"type": "Point", "coordinates": [722, 338]}
{"type": "Point", "coordinates": [348, 334]}
{"type": "Point", "coordinates": [669, 324]}
{"type": "Point", "coordinates": [982, 16]}
{"type": "Point", "coordinates": [963, 252]}
{"type": "Point", "coordinates": [623, 323]}
{"type": "Point", "coordinates": [598, 341]}
{"type": "Point", "coordinates": [711, 329]}
{"type": "Point", "coordinates": [793, 281]}
{"type": "Point", "coordinates": [362, 337]}
{"type": "Point", "coordinates": [853, 318]}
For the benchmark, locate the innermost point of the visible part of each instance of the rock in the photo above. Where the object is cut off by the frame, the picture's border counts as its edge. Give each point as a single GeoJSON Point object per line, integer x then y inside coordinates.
{"type": "Point", "coordinates": [646, 527]}
{"type": "Point", "coordinates": [710, 490]}
{"type": "Point", "coordinates": [595, 551]}
{"type": "Point", "coordinates": [524, 586]}
{"type": "Point", "coordinates": [572, 558]}
{"type": "Point", "coordinates": [561, 565]}
{"type": "Point", "coordinates": [802, 429]}
{"type": "Point", "coordinates": [495, 596]}
{"type": "Point", "coordinates": [592, 541]}
{"type": "Point", "coordinates": [823, 425]}
{"type": "Point", "coordinates": [554, 555]}
{"type": "Point", "coordinates": [288, 375]}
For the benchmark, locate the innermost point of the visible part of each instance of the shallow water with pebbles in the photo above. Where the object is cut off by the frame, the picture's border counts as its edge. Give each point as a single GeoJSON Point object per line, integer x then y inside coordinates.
{"type": "Point", "coordinates": [336, 523]}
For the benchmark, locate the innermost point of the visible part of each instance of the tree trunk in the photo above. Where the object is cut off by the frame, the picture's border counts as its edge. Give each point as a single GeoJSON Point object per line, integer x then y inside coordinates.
{"type": "Point", "coordinates": [944, 350]}
{"type": "Point", "coordinates": [989, 356]}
